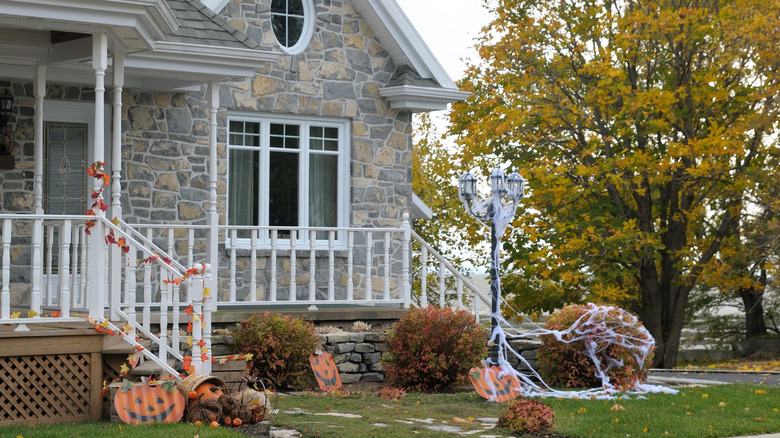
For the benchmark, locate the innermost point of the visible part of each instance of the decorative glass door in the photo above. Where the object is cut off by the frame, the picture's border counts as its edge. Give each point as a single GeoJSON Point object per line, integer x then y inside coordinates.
{"type": "Point", "coordinates": [65, 162]}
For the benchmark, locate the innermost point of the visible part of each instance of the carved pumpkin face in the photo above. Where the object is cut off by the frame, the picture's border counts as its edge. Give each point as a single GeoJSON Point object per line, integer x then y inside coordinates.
{"type": "Point", "coordinates": [487, 384]}
{"type": "Point", "coordinates": [149, 404]}
{"type": "Point", "coordinates": [325, 371]}
{"type": "Point", "coordinates": [208, 391]}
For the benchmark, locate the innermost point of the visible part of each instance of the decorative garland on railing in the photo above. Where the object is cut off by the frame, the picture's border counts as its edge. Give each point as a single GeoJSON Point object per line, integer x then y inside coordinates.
{"type": "Point", "coordinates": [96, 171]}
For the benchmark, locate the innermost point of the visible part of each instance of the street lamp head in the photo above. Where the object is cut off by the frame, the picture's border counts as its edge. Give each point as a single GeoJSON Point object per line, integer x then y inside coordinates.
{"type": "Point", "coordinates": [498, 182]}
{"type": "Point", "coordinates": [468, 186]}
{"type": "Point", "coordinates": [515, 185]}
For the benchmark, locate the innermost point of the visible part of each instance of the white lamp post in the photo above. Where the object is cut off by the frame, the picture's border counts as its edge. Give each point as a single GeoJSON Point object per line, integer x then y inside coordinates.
{"type": "Point", "coordinates": [499, 208]}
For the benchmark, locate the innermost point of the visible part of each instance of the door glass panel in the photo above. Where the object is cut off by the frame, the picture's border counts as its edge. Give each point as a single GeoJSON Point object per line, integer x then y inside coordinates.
{"type": "Point", "coordinates": [65, 160]}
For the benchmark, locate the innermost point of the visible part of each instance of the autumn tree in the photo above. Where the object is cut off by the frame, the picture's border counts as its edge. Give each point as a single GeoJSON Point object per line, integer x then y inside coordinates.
{"type": "Point", "coordinates": [642, 126]}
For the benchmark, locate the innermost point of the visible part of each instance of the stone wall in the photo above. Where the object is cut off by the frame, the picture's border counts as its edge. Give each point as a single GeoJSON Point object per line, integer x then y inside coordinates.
{"type": "Point", "coordinates": [357, 355]}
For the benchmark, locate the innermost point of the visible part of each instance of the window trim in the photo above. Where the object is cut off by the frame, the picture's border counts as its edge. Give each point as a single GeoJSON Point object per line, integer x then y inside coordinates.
{"type": "Point", "coordinates": [309, 17]}
{"type": "Point", "coordinates": [344, 182]}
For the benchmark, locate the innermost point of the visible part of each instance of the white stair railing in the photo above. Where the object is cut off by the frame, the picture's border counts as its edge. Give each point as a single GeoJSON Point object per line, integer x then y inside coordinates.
{"type": "Point", "coordinates": [64, 272]}
{"type": "Point", "coordinates": [444, 290]}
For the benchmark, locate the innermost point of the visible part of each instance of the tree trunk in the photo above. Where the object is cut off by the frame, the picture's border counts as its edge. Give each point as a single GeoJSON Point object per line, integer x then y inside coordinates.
{"type": "Point", "coordinates": [753, 299]}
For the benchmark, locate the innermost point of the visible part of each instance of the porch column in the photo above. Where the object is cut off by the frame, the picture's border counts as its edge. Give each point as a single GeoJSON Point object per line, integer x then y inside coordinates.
{"type": "Point", "coordinates": [96, 279]}
{"type": "Point", "coordinates": [116, 180]}
{"type": "Point", "coordinates": [39, 85]}
{"type": "Point", "coordinates": [213, 217]}
{"type": "Point", "coordinates": [39, 91]}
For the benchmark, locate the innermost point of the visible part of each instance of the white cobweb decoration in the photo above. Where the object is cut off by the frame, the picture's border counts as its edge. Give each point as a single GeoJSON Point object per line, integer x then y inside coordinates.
{"type": "Point", "coordinates": [593, 328]}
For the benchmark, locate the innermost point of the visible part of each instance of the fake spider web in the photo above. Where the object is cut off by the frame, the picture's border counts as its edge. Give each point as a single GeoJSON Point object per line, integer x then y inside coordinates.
{"type": "Point", "coordinates": [591, 327]}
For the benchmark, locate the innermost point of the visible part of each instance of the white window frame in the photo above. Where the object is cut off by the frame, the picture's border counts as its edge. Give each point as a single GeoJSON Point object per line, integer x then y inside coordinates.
{"type": "Point", "coordinates": [343, 189]}
{"type": "Point", "coordinates": [306, 33]}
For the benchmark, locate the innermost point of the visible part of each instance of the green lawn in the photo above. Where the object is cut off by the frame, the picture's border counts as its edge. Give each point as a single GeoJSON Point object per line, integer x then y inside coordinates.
{"type": "Point", "coordinates": [716, 411]}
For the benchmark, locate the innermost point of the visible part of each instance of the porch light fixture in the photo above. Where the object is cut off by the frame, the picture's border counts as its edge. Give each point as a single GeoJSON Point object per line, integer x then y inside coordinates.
{"type": "Point", "coordinates": [498, 208]}
{"type": "Point", "coordinates": [6, 133]}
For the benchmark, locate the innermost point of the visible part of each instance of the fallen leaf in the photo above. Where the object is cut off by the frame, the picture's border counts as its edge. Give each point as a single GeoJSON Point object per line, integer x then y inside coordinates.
{"type": "Point", "coordinates": [460, 420]}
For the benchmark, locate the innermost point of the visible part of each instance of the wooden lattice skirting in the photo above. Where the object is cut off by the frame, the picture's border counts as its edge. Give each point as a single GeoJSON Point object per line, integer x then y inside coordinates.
{"type": "Point", "coordinates": [50, 379]}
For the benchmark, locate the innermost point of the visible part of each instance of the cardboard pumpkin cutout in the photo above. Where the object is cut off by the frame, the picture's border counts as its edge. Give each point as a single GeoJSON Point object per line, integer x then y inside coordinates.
{"type": "Point", "coordinates": [325, 371]}
{"type": "Point", "coordinates": [140, 404]}
{"type": "Point", "coordinates": [487, 384]}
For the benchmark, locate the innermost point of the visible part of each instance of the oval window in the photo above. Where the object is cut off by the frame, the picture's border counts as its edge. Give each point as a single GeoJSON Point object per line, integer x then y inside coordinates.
{"type": "Point", "coordinates": [292, 23]}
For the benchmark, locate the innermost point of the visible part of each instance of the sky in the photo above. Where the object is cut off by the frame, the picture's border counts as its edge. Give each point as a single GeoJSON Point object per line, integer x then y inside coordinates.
{"type": "Point", "coordinates": [448, 27]}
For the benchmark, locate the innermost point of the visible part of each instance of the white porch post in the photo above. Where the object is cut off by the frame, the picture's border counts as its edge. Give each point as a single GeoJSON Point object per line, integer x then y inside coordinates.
{"type": "Point", "coordinates": [39, 91]}
{"type": "Point", "coordinates": [96, 242]}
{"type": "Point", "coordinates": [406, 245]}
{"type": "Point", "coordinates": [116, 179]}
{"type": "Point", "coordinates": [213, 217]}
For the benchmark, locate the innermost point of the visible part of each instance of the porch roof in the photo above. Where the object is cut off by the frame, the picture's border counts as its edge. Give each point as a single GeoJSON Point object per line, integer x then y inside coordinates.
{"type": "Point", "coordinates": [159, 37]}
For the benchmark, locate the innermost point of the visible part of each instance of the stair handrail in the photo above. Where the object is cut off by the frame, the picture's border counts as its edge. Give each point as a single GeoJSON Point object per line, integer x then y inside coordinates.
{"type": "Point", "coordinates": [156, 250]}
{"type": "Point", "coordinates": [174, 269]}
{"type": "Point", "coordinates": [454, 271]}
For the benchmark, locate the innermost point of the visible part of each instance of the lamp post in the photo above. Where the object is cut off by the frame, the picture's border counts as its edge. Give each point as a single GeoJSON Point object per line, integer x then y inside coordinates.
{"type": "Point", "coordinates": [498, 209]}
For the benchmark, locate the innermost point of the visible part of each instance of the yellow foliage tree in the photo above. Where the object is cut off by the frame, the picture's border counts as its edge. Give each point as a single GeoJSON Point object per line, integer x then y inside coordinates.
{"type": "Point", "coordinates": [642, 126]}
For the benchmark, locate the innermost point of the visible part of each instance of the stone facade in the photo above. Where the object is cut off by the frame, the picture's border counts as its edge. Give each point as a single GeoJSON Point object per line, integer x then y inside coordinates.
{"type": "Point", "coordinates": [166, 135]}
{"type": "Point", "coordinates": [338, 75]}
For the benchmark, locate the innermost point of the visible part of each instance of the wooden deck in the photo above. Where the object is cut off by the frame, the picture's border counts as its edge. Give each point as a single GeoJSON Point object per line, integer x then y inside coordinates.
{"type": "Point", "coordinates": [52, 373]}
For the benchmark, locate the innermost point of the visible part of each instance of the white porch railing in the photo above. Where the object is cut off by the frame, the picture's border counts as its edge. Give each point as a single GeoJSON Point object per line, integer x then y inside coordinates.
{"type": "Point", "coordinates": [51, 272]}
{"type": "Point", "coordinates": [68, 283]}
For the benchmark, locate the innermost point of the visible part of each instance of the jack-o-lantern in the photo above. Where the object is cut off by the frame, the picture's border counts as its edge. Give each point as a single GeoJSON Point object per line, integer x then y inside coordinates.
{"type": "Point", "coordinates": [325, 371]}
{"type": "Point", "coordinates": [209, 391]}
{"type": "Point", "coordinates": [498, 389]}
{"type": "Point", "coordinates": [149, 404]}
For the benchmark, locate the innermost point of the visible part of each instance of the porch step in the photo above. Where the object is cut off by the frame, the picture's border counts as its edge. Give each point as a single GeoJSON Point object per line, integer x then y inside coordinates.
{"type": "Point", "coordinates": [117, 345]}
{"type": "Point", "coordinates": [149, 368]}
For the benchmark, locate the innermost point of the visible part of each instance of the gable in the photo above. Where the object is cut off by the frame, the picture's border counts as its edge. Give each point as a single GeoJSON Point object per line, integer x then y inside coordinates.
{"type": "Point", "coordinates": [419, 82]}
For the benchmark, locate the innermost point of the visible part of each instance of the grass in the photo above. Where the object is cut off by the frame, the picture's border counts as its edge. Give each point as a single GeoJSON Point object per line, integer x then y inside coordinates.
{"type": "Point", "coordinates": [416, 414]}
{"type": "Point", "coordinates": [116, 430]}
{"type": "Point", "coordinates": [716, 411]}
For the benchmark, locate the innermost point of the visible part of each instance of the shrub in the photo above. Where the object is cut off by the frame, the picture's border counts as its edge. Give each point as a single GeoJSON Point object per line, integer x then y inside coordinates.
{"type": "Point", "coordinates": [622, 345]}
{"type": "Point", "coordinates": [281, 345]}
{"type": "Point", "coordinates": [526, 416]}
{"type": "Point", "coordinates": [432, 349]}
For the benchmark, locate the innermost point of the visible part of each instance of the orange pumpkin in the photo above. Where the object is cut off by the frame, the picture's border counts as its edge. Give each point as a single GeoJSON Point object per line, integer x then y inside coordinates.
{"type": "Point", "coordinates": [149, 404]}
{"type": "Point", "coordinates": [208, 391]}
{"type": "Point", "coordinates": [487, 384]}
{"type": "Point", "coordinates": [325, 371]}
{"type": "Point", "coordinates": [237, 422]}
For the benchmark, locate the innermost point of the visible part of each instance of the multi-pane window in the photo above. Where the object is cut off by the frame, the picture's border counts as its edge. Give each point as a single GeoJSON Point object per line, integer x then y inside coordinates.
{"type": "Point", "coordinates": [287, 173]}
{"type": "Point", "coordinates": [290, 23]}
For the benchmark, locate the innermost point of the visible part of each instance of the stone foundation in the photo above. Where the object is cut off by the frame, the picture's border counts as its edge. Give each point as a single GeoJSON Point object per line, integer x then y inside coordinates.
{"type": "Point", "coordinates": [357, 355]}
